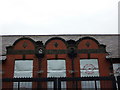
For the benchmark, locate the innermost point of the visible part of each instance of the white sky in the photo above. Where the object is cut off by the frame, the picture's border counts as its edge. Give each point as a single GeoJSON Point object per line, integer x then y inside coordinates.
{"type": "Point", "coordinates": [42, 17]}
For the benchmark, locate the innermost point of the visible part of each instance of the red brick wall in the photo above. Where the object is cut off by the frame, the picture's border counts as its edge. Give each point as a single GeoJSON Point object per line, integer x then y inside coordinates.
{"type": "Point", "coordinates": [8, 65]}
{"type": "Point", "coordinates": [104, 65]}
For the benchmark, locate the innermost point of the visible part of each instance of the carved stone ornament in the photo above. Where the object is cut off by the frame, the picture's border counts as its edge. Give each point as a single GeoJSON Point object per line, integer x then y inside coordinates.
{"type": "Point", "coordinates": [25, 44]}
{"type": "Point", "coordinates": [40, 51]}
{"type": "Point", "coordinates": [87, 44]}
{"type": "Point", "coordinates": [56, 44]}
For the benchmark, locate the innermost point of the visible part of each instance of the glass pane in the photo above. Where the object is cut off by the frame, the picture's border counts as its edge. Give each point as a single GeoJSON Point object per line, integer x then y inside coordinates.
{"type": "Point", "coordinates": [89, 68]}
{"type": "Point", "coordinates": [56, 74]}
{"type": "Point", "coordinates": [23, 74]}
{"type": "Point", "coordinates": [23, 68]}
{"type": "Point", "coordinates": [23, 85]}
{"type": "Point", "coordinates": [90, 85]}
{"type": "Point", "coordinates": [56, 68]}
{"type": "Point", "coordinates": [89, 73]}
{"type": "Point", "coordinates": [89, 64]}
{"type": "Point", "coordinates": [56, 65]}
{"type": "Point", "coordinates": [50, 85]}
{"type": "Point", "coordinates": [23, 65]}
{"type": "Point", "coordinates": [116, 68]}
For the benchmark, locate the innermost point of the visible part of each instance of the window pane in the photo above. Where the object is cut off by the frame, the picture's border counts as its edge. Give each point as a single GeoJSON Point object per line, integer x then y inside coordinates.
{"type": "Point", "coordinates": [23, 85]}
{"type": "Point", "coordinates": [23, 65]}
{"type": "Point", "coordinates": [57, 74]}
{"type": "Point", "coordinates": [23, 68]}
{"type": "Point", "coordinates": [23, 74]}
{"type": "Point", "coordinates": [89, 68]}
{"type": "Point", "coordinates": [89, 73]}
{"type": "Point", "coordinates": [116, 68]}
{"type": "Point", "coordinates": [56, 68]}
{"type": "Point", "coordinates": [56, 65]}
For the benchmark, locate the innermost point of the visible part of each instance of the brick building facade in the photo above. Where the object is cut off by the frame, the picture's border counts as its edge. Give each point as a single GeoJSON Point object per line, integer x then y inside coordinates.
{"type": "Point", "coordinates": [60, 56]}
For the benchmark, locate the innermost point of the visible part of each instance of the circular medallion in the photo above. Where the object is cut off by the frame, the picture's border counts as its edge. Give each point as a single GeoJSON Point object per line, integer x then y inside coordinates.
{"type": "Point", "coordinates": [40, 51]}
{"type": "Point", "coordinates": [89, 68]}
